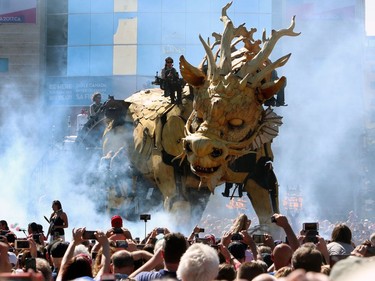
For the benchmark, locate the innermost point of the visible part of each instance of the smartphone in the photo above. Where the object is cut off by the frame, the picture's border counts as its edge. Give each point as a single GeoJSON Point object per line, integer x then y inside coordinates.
{"type": "Point", "coordinates": [311, 231]}
{"type": "Point", "coordinates": [122, 244]}
{"type": "Point", "coordinates": [202, 240]}
{"type": "Point", "coordinates": [36, 238]}
{"type": "Point", "coordinates": [118, 230]}
{"type": "Point", "coordinates": [22, 244]}
{"type": "Point", "coordinates": [310, 226]}
{"type": "Point", "coordinates": [201, 230]}
{"type": "Point", "coordinates": [160, 230]}
{"type": "Point", "coordinates": [30, 263]}
{"type": "Point", "coordinates": [258, 238]}
{"type": "Point", "coordinates": [89, 234]}
{"type": "Point", "coordinates": [237, 237]}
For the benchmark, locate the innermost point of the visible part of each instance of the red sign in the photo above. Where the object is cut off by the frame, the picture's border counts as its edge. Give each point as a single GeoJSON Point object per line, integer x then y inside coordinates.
{"type": "Point", "coordinates": [17, 11]}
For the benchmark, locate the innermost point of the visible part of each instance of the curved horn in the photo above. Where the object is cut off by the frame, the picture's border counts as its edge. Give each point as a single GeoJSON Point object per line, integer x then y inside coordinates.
{"type": "Point", "coordinates": [191, 74]}
{"type": "Point", "coordinates": [225, 64]}
{"type": "Point", "coordinates": [212, 69]}
{"type": "Point", "coordinates": [256, 79]}
{"type": "Point", "coordinates": [267, 48]}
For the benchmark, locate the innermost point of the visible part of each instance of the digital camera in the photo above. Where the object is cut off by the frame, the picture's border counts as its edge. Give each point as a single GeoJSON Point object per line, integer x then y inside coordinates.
{"type": "Point", "coordinates": [122, 244]}
{"type": "Point", "coordinates": [22, 244]}
{"type": "Point", "coordinates": [118, 230]}
{"type": "Point", "coordinates": [89, 234]}
{"type": "Point", "coordinates": [311, 231]}
{"type": "Point", "coordinates": [237, 237]}
{"type": "Point", "coordinates": [258, 238]}
{"type": "Point", "coordinates": [145, 217]}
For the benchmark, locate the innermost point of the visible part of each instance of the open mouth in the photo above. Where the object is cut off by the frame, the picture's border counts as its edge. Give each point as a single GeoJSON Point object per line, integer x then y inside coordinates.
{"type": "Point", "coordinates": [202, 170]}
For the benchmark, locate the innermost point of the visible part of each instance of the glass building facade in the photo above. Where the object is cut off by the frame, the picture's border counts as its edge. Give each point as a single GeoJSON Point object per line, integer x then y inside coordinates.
{"type": "Point", "coordinates": [116, 47]}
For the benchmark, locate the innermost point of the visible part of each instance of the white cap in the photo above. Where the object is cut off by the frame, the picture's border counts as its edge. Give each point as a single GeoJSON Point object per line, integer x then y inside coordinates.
{"type": "Point", "coordinates": [12, 258]}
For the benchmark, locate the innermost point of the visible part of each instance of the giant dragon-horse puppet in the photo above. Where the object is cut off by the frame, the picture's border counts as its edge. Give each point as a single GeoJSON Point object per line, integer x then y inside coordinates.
{"type": "Point", "coordinates": [222, 132]}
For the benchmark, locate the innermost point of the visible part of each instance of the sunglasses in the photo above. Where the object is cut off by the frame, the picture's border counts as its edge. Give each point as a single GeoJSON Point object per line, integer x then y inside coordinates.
{"type": "Point", "coordinates": [169, 61]}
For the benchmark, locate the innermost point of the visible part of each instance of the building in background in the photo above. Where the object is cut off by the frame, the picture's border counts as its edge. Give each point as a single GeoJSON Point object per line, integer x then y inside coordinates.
{"type": "Point", "coordinates": [116, 47]}
{"type": "Point", "coordinates": [22, 50]}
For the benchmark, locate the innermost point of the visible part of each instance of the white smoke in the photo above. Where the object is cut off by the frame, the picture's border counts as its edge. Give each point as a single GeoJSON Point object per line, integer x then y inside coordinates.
{"type": "Point", "coordinates": [317, 149]}
{"type": "Point", "coordinates": [319, 146]}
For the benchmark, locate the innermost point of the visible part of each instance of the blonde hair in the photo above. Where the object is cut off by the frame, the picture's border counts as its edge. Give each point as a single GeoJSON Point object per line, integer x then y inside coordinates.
{"type": "Point", "coordinates": [283, 272]}
{"type": "Point", "coordinates": [240, 223]}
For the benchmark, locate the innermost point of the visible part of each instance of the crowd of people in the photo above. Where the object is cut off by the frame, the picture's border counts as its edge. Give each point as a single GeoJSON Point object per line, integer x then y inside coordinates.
{"type": "Point", "coordinates": [113, 254]}
{"type": "Point", "coordinates": [361, 228]}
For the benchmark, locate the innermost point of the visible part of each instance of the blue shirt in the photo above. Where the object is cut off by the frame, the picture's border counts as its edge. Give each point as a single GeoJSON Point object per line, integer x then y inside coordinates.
{"type": "Point", "coordinates": [152, 275]}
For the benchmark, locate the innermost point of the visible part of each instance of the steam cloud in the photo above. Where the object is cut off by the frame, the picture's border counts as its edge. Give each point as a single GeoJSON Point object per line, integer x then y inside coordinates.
{"type": "Point", "coordinates": [318, 147]}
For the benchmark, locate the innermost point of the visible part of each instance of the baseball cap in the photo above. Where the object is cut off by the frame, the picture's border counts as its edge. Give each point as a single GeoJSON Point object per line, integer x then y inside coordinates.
{"type": "Point", "coordinates": [116, 221]}
{"type": "Point", "coordinates": [12, 258]}
{"type": "Point", "coordinates": [237, 249]}
{"type": "Point", "coordinates": [211, 238]}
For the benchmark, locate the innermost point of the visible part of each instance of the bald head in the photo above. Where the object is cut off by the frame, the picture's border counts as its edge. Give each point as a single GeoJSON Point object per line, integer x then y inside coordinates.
{"type": "Point", "coordinates": [282, 255]}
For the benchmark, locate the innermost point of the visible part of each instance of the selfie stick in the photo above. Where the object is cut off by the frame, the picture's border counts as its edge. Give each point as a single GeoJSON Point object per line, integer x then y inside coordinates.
{"type": "Point", "coordinates": [145, 220]}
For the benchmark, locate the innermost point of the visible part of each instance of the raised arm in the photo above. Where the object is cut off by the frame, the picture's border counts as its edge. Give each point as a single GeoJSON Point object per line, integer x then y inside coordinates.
{"type": "Point", "coordinates": [283, 222]}
{"type": "Point", "coordinates": [76, 239]}
{"type": "Point", "coordinates": [150, 264]}
{"type": "Point", "coordinates": [106, 254]}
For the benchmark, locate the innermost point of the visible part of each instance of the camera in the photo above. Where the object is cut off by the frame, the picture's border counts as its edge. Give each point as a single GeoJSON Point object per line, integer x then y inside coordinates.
{"type": "Point", "coordinates": [258, 238]}
{"type": "Point", "coordinates": [22, 244]}
{"type": "Point", "coordinates": [36, 238]}
{"type": "Point", "coordinates": [145, 217]}
{"type": "Point", "coordinates": [160, 230]}
{"type": "Point", "coordinates": [122, 244]}
{"type": "Point", "coordinates": [237, 237]}
{"type": "Point", "coordinates": [201, 230]}
{"type": "Point", "coordinates": [310, 226]}
{"type": "Point", "coordinates": [118, 230]}
{"type": "Point", "coordinates": [311, 231]}
{"type": "Point", "coordinates": [88, 234]}
{"type": "Point", "coordinates": [202, 240]}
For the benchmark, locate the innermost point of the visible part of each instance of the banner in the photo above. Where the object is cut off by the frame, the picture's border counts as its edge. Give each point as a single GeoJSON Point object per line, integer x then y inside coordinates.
{"type": "Point", "coordinates": [18, 11]}
{"type": "Point", "coordinates": [76, 91]}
